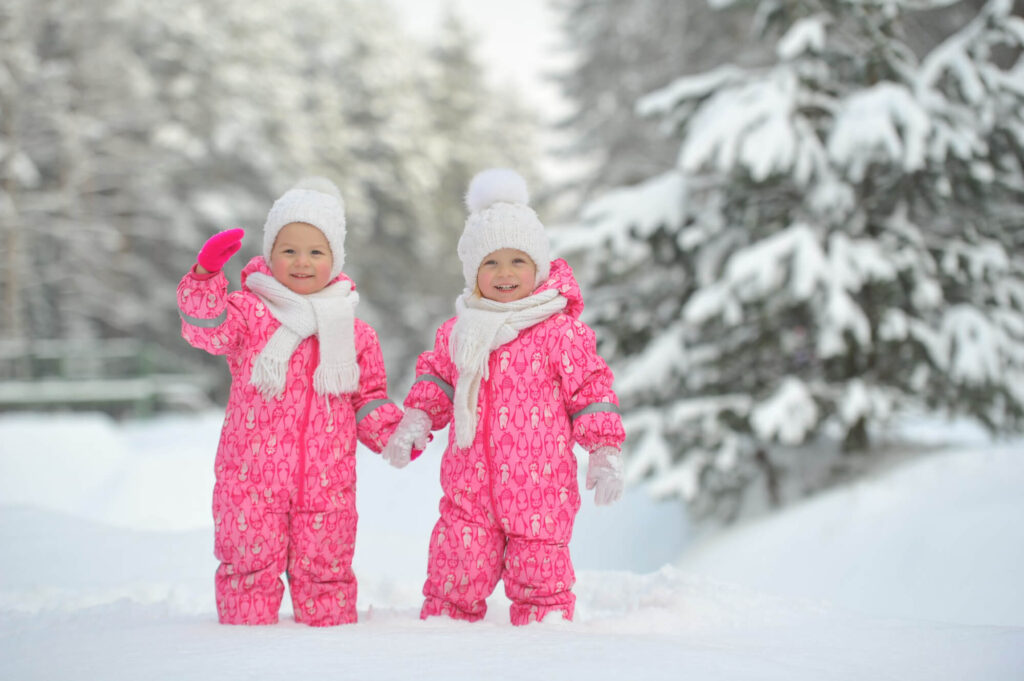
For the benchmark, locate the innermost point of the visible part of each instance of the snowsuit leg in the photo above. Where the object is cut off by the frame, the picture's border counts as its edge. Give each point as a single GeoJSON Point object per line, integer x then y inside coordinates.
{"type": "Point", "coordinates": [538, 579]}
{"type": "Point", "coordinates": [320, 576]}
{"type": "Point", "coordinates": [465, 563]}
{"type": "Point", "coordinates": [252, 544]}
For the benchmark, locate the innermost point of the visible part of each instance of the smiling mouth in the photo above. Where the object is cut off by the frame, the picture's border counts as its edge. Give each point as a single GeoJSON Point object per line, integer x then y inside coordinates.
{"type": "Point", "coordinates": [507, 287]}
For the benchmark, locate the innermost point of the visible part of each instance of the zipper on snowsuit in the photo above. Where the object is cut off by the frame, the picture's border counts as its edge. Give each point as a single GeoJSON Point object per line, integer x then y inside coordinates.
{"type": "Point", "coordinates": [300, 497]}
{"type": "Point", "coordinates": [488, 449]}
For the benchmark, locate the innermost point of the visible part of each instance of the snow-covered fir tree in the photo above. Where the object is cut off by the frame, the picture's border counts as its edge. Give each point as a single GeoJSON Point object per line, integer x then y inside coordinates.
{"type": "Point", "coordinates": [19, 65]}
{"type": "Point", "coordinates": [620, 50]}
{"type": "Point", "coordinates": [423, 119]}
{"type": "Point", "coordinates": [840, 239]}
{"type": "Point", "coordinates": [131, 130]}
{"type": "Point", "coordinates": [66, 116]}
{"type": "Point", "coordinates": [473, 124]}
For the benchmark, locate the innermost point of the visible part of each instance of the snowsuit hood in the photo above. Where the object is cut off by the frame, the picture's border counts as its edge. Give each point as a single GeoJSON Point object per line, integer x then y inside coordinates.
{"type": "Point", "coordinates": [564, 281]}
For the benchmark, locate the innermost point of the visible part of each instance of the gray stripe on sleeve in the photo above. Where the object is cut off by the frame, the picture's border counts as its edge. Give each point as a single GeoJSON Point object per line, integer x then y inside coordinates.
{"type": "Point", "coordinates": [595, 407]}
{"type": "Point", "coordinates": [445, 386]}
{"type": "Point", "coordinates": [369, 407]}
{"type": "Point", "coordinates": [204, 323]}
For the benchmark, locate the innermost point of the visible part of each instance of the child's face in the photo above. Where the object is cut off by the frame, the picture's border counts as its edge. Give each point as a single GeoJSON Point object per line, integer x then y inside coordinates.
{"type": "Point", "coordinates": [301, 258]}
{"type": "Point", "coordinates": [505, 275]}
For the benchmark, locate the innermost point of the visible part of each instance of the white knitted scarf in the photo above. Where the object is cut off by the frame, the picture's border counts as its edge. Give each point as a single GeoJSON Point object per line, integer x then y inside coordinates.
{"type": "Point", "coordinates": [328, 313]}
{"type": "Point", "coordinates": [484, 325]}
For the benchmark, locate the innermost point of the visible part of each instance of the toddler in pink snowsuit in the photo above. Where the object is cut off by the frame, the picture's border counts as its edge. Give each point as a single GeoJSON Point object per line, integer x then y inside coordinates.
{"type": "Point", "coordinates": [517, 377]}
{"type": "Point", "coordinates": [307, 380]}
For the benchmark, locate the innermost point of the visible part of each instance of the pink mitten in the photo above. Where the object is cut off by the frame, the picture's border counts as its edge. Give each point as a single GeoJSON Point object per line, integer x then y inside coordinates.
{"type": "Point", "coordinates": [416, 451]}
{"type": "Point", "coordinates": [219, 248]}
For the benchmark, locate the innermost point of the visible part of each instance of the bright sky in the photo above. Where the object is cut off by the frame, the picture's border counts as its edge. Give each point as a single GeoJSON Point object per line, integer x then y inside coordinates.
{"type": "Point", "coordinates": [518, 38]}
{"type": "Point", "coordinates": [519, 41]}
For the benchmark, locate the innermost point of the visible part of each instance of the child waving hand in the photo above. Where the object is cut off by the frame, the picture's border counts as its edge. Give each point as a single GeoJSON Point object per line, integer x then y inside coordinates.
{"type": "Point", "coordinates": [308, 379]}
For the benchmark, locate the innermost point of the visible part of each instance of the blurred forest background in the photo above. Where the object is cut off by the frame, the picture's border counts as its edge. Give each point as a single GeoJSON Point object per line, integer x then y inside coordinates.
{"type": "Point", "coordinates": [792, 219]}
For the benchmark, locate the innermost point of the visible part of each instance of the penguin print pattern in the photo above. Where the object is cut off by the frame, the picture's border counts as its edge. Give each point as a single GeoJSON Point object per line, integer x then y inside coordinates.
{"type": "Point", "coordinates": [284, 496]}
{"type": "Point", "coordinates": [511, 497]}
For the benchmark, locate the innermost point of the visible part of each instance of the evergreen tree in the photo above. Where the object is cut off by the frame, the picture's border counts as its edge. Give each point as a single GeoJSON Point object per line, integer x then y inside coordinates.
{"type": "Point", "coordinates": [131, 131]}
{"type": "Point", "coordinates": [621, 50]}
{"type": "Point", "coordinates": [71, 231]}
{"type": "Point", "coordinates": [480, 127]}
{"type": "Point", "coordinates": [424, 119]}
{"type": "Point", "coordinates": [840, 240]}
{"type": "Point", "coordinates": [19, 69]}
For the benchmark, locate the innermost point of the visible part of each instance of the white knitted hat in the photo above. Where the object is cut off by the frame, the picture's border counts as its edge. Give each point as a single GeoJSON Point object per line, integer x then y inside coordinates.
{"type": "Point", "coordinates": [315, 201]}
{"type": "Point", "coordinates": [500, 217]}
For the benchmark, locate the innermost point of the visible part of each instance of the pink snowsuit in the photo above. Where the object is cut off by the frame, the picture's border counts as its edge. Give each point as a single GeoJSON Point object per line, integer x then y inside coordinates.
{"type": "Point", "coordinates": [284, 499]}
{"type": "Point", "coordinates": [510, 499]}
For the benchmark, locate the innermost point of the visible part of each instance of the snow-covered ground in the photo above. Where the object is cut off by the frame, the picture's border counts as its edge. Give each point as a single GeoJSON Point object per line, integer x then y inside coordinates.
{"type": "Point", "coordinates": [914, 574]}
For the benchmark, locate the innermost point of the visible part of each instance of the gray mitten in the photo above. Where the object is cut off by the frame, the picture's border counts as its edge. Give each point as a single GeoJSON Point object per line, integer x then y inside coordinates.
{"type": "Point", "coordinates": [411, 433]}
{"type": "Point", "coordinates": [604, 475]}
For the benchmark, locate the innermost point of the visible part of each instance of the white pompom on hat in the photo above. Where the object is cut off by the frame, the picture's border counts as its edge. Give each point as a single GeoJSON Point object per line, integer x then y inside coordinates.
{"type": "Point", "coordinates": [315, 201]}
{"type": "Point", "coordinates": [500, 217]}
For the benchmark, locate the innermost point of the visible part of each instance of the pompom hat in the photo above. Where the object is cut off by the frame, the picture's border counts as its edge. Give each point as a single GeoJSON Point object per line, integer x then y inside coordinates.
{"type": "Point", "coordinates": [500, 217]}
{"type": "Point", "coordinates": [315, 201]}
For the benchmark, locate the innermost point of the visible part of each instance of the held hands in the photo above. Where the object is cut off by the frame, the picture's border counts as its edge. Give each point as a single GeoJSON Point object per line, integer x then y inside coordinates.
{"type": "Point", "coordinates": [604, 475]}
{"type": "Point", "coordinates": [411, 434]}
{"type": "Point", "coordinates": [219, 248]}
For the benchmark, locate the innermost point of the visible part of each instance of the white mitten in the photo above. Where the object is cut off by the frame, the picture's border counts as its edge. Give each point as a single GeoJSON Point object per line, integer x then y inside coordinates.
{"type": "Point", "coordinates": [604, 475]}
{"type": "Point", "coordinates": [412, 432]}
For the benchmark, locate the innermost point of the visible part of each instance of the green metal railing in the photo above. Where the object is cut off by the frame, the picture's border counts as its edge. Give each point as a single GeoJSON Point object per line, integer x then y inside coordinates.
{"type": "Point", "coordinates": [119, 376]}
